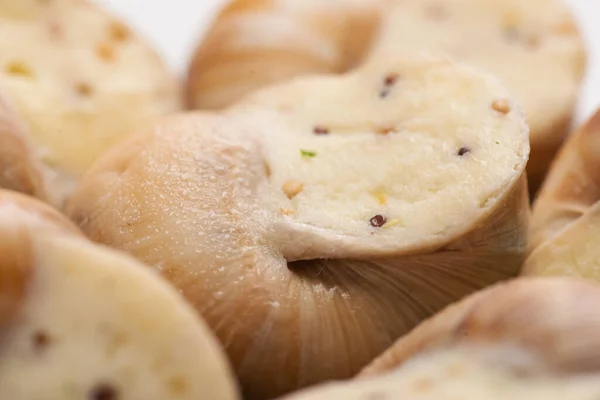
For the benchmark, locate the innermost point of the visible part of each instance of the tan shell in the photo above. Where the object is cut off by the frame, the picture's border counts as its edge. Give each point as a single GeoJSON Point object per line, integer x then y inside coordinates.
{"type": "Point", "coordinates": [534, 46]}
{"type": "Point", "coordinates": [15, 266]}
{"type": "Point", "coordinates": [566, 215]}
{"type": "Point", "coordinates": [15, 245]}
{"type": "Point", "coordinates": [19, 168]}
{"type": "Point", "coordinates": [573, 184]}
{"type": "Point", "coordinates": [79, 80]}
{"type": "Point", "coordinates": [553, 317]}
{"type": "Point", "coordinates": [310, 287]}
{"type": "Point", "coordinates": [255, 43]}
{"type": "Point", "coordinates": [81, 321]}
{"type": "Point", "coordinates": [36, 213]}
{"type": "Point", "coordinates": [529, 338]}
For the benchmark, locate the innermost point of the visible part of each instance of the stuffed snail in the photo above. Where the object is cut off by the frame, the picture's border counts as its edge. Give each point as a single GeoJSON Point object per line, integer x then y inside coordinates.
{"type": "Point", "coordinates": [78, 80]}
{"type": "Point", "coordinates": [317, 221]}
{"type": "Point", "coordinates": [80, 321]}
{"type": "Point", "coordinates": [20, 169]}
{"type": "Point", "coordinates": [533, 46]}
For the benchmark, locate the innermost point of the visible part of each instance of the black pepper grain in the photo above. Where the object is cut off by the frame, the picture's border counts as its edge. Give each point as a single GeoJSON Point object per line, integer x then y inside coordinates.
{"type": "Point", "coordinates": [40, 340]}
{"type": "Point", "coordinates": [319, 130]}
{"type": "Point", "coordinates": [463, 150]}
{"type": "Point", "coordinates": [378, 221]}
{"type": "Point", "coordinates": [389, 81]}
{"type": "Point", "coordinates": [104, 392]}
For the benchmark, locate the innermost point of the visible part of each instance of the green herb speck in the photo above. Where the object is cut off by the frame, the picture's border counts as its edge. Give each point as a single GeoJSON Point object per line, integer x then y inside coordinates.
{"type": "Point", "coordinates": [308, 153]}
{"type": "Point", "coordinates": [497, 142]}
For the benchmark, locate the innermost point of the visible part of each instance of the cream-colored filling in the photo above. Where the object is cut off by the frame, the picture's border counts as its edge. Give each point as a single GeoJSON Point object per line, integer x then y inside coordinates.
{"type": "Point", "coordinates": [532, 46]}
{"type": "Point", "coordinates": [79, 80]}
{"type": "Point", "coordinates": [95, 322]}
{"type": "Point", "coordinates": [387, 164]}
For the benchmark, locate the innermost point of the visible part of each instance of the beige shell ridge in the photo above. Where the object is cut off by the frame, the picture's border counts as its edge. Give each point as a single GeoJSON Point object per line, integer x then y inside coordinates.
{"type": "Point", "coordinates": [253, 44]}
{"type": "Point", "coordinates": [19, 214]}
{"type": "Point", "coordinates": [20, 170]}
{"type": "Point", "coordinates": [529, 338]}
{"type": "Point", "coordinates": [15, 266]}
{"type": "Point", "coordinates": [79, 81]}
{"type": "Point", "coordinates": [566, 215]}
{"type": "Point", "coordinates": [79, 320]}
{"type": "Point", "coordinates": [314, 223]}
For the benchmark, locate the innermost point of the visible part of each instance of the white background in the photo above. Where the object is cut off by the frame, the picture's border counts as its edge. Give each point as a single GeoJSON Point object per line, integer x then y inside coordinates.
{"type": "Point", "coordinates": [175, 26]}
